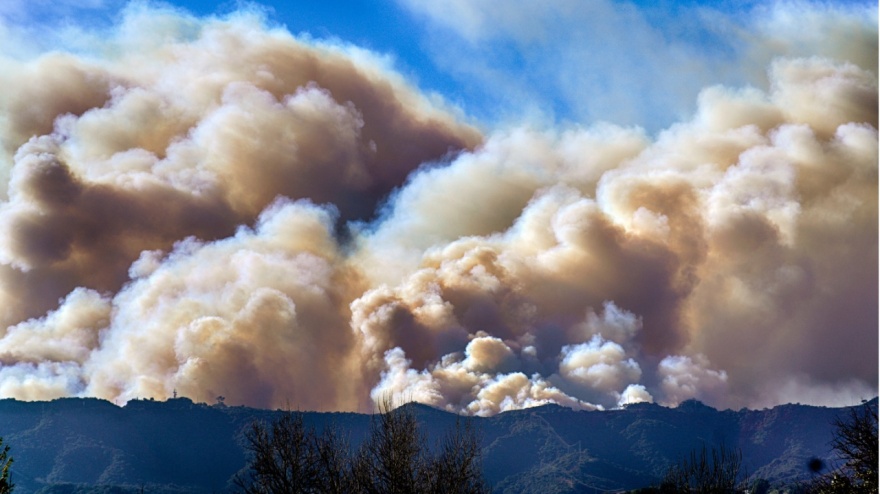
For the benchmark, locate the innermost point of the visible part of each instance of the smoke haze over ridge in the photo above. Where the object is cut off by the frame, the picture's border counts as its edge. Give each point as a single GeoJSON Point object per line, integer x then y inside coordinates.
{"type": "Point", "coordinates": [217, 207]}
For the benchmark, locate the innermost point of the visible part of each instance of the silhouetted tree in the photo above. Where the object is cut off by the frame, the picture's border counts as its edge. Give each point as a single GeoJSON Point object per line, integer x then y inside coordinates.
{"type": "Point", "coordinates": [457, 468]}
{"type": "Point", "coordinates": [855, 439]}
{"type": "Point", "coordinates": [334, 462]}
{"type": "Point", "coordinates": [284, 458]}
{"type": "Point", "coordinates": [705, 472]}
{"type": "Point", "coordinates": [392, 460]}
{"type": "Point", "coordinates": [288, 457]}
{"type": "Point", "coordinates": [6, 484]}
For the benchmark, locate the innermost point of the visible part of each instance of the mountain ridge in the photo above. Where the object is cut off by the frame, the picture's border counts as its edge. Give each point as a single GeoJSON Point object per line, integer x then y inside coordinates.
{"type": "Point", "coordinates": [86, 444]}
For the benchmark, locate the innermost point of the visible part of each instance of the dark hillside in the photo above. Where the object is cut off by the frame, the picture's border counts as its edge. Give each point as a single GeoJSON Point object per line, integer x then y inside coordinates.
{"type": "Point", "coordinates": [89, 445]}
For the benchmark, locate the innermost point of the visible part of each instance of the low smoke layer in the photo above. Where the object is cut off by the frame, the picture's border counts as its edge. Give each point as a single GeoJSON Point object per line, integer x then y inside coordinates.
{"type": "Point", "coordinates": [223, 209]}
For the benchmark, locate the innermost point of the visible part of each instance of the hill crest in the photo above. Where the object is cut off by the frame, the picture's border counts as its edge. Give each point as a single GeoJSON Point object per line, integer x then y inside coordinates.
{"type": "Point", "coordinates": [182, 446]}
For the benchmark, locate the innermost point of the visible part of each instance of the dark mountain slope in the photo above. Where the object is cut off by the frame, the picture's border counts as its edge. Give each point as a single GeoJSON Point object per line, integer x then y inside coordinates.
{"type": "Point", "coordinates": [89, 445]}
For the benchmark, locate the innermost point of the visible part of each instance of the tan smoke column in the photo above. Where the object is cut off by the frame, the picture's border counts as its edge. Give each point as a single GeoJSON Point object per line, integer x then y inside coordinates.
{"type": "Point", "coordinates": [172, 214]}
{"type": "Point", "coordinates": [182, 132]}
{"type": "Point", "coordinates": [734, 259]}
{"type": "Point", "coordinates": [189, 136]}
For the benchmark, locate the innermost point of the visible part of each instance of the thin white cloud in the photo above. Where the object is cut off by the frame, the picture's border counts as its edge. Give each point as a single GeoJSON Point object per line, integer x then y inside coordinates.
{"type": "Point", "coordinates": [626, 64]}
{"type": "Point", "coordinates": [24, 10]}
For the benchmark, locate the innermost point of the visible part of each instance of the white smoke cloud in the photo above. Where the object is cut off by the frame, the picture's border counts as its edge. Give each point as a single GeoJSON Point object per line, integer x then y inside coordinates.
{"type": "Point", "coordinates": [598, 365]}
{"type": "Point", "coordinates": [257, 316]}
{"type": "Point", "coordinates": [707, 238]}
{"type": "Point", "coordinates": [635, 393]}
{"type": "Point", "coordinates": [68, 334]}
{"type": "Point", "coordinates": [219, 208]}
{"type": "Point", "coordinates": [684, 378]}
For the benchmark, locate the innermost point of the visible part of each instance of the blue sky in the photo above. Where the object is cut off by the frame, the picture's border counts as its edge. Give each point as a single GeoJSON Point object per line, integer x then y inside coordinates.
{"type": "Point", "coordinates": [558, 62]}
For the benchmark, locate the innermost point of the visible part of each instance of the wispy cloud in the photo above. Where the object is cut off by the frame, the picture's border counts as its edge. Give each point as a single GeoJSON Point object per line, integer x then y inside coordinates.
{"type": "Point", "coordinates": [625, 63]}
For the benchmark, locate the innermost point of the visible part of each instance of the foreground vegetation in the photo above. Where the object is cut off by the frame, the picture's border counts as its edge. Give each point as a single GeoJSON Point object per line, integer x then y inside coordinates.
{"type": "Point", "coordinates": [720, 471]}
{"type": "Point", "coordinates": [855, 439]}
{"type": "Point", "coordinates": [289, 458]}
{"type": "Point", "coordinates": [6, 484]}
{"type": "Point", "coordinates": [522, 439]}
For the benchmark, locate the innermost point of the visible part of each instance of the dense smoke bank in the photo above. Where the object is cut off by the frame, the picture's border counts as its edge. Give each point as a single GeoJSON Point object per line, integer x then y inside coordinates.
{"type": "Point", "coordinates": [171, 215]}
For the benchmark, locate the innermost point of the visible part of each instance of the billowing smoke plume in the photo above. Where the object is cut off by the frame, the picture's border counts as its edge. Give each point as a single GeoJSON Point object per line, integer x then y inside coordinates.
{"type": "Point", "coordinates": [228, 210]}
